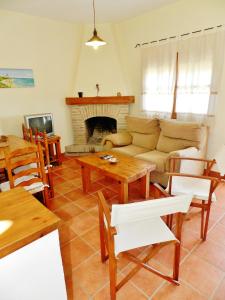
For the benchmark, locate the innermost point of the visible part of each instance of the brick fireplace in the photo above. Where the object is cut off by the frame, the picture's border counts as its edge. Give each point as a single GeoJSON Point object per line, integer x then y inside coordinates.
{"type": "Point", "coordinates": [95, 117]}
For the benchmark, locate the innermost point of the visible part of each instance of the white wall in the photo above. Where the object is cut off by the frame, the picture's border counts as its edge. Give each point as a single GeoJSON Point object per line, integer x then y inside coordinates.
{"type": "Point", "coordinates": [174, 19]}
{"type": "Point", "coordinates": [51, 49]}
{"type": "Point", "coordinates": [100, 66]}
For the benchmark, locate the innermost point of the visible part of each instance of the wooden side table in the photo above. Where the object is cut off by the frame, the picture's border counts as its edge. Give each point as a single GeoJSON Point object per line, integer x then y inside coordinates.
{"type": "Point", "coordinates": [55, 149]}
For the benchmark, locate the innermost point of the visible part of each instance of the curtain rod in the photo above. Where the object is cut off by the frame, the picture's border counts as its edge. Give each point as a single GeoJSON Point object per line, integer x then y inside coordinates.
{"type": "Point", "coordinates": [176, 36]}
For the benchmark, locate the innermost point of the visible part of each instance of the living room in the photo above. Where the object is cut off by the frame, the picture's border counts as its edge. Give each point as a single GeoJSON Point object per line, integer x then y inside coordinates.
{"type": "Point", "coordinates": [49, 38]}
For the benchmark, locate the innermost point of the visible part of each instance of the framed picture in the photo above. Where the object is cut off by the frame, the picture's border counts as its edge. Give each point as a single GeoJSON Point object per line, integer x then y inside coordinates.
{"type": "Point", "coordinates": [16, 78]}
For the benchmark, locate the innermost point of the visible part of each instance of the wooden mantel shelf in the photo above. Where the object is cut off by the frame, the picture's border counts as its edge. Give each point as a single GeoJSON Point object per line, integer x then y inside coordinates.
{"type": "Point", "coordinates": [100, 100]}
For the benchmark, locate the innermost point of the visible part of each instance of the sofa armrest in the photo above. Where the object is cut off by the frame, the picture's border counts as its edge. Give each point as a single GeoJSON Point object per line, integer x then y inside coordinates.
{"type": "Point", "coordinates": [118, 139]}
{"type": "Point", "coordinates": [186, 166]}
{"type": "Point", "coordinates": [107, 145]}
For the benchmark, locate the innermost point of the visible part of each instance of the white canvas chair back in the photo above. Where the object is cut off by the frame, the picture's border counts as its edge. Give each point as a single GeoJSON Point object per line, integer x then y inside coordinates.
{"type": "Point", "coordinates": [200, 188]}
{"type": "Point", "coordinates": [139, 211]}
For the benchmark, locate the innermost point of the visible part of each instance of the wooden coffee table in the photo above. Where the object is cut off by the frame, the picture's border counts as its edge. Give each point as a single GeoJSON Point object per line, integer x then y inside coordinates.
{"type": "Point", "coordinates": [126, 170]}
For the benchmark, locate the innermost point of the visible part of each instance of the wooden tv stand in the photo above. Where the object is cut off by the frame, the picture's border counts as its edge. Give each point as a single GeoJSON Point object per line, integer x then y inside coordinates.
{"type": "Point", "coordinates": [55, 149]}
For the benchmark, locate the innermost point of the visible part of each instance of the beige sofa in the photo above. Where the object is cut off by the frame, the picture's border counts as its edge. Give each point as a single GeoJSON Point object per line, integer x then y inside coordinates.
{"type": "Point", "coordinates": [157, 140]}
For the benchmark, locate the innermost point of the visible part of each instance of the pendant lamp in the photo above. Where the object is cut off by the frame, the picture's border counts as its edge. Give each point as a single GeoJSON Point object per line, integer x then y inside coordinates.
{"type": "Point", "coordinates": [95, 41]}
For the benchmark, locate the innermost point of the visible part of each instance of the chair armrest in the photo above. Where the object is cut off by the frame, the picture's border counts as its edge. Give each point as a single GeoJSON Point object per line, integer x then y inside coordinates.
{"type": "Point", "coordinates": [118, 139]}
{"type": "Point", "coordinates": [187, 160]}
{"type": "Point", "coordinates": [194, 176]}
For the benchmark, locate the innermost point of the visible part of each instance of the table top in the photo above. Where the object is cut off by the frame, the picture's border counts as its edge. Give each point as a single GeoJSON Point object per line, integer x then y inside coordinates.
{"type": "Point", "coordinates": [126, 169]}
{"type": "Point", "coordinates": [15, 143]}
{"type": "Point", "coordinates": [23, 219]}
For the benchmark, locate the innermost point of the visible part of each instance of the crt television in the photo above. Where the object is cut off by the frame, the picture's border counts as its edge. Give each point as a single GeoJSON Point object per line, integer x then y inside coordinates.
{"type": "Point", "coordinates": [43, 122]}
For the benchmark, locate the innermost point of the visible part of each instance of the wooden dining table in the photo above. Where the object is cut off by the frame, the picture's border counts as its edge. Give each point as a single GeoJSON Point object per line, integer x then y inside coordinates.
{"type": "Point", "coordinates": [14, 143]}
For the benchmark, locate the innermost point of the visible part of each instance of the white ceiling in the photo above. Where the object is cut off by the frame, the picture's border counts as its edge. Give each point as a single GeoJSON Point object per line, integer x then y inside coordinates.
{"type": "Point", "coordinates": [81, 10]}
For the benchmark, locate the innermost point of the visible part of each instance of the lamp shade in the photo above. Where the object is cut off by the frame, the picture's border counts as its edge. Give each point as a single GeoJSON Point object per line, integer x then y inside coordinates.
{"type": "Point", "coordinates": [95, 41]}
{"type": "Point", "coordinates": [220, 159]}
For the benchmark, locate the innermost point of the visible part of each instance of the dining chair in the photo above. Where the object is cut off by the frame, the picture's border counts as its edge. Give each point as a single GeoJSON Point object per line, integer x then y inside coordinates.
{"type": "Point", "coordinates": [3, 175]}
{"type": "Point", "coordinates": [42, 138]}
{"type": "Point", "coordinates": [27, 134]}
{"type": "Point", "coordinates": [134, 225]}
{"type": "Point", "coordinates": [193, 180]}
{"type": "Point", "coordinates": [33, 179]}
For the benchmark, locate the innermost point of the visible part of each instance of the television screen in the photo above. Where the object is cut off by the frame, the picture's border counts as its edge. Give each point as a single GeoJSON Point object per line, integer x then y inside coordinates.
{"type": "Point", "coordinates": [42, 122]}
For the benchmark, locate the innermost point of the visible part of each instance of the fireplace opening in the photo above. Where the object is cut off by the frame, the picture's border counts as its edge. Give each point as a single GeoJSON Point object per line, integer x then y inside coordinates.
{"type": "Point", "coordinates": [98, 128]}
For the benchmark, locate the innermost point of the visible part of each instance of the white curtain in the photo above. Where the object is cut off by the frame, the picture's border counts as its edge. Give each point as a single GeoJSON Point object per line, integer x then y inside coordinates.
{"type": "Point", "coordinates": [158, 69]}
{"type": "Point", "coordinates": [200, 66]}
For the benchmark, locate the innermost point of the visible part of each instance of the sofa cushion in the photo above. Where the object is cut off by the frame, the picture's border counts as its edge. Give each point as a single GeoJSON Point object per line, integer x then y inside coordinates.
{"type": "Point", "coordinates": [177, 135]}
{"type": "Point", "coordinates": [156, 157]}
{"type": "Point", "coordinates": [141, 125]}
{"type": "Point", "coordinates": [130, 150]}
{"type": "Point", "coordinates": [167, 144]}
{"type": "Point", "coordinates": [181, 130]}
{"type": "Point", "coordinates": [148, 141]}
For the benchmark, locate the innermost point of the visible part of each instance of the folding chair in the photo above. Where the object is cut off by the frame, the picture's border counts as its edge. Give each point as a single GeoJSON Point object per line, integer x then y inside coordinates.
{"type": "Point", "coordinates": [33, 179]}
{"type": "Point", "coordinates": [191, 180]}
{"type": "Point", "coordinates": [134, 225]}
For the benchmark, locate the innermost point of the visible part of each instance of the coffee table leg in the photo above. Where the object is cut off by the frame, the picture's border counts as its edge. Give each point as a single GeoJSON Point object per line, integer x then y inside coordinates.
{"type": "Point", "coordinates": [86, 178]}
{"type": "Point", "coordinates": [123, 192]}
{"type": "Point", "coordinates": [145, 183]}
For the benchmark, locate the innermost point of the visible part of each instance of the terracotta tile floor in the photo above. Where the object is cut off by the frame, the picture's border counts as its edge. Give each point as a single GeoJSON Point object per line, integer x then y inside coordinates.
{"type": "Point", "coordinates": [202, 272]}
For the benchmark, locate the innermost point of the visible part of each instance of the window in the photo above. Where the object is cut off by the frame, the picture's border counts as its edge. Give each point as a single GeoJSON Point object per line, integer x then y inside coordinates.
{"type": "Point", "coordinates": [199, 69]}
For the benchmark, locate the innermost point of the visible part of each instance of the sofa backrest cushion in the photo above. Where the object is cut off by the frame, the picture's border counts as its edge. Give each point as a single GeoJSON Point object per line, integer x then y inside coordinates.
{"type": "Point", "coordinates": [148, 141]}
{"type": "Point", "coordinates": [181, 130]}
{"type": "Point", "coordinates": [141, 125]}
{"type": "Point", "coordinates": [166, 144]}
{"type": "Point", "coordinates": [176, 135]}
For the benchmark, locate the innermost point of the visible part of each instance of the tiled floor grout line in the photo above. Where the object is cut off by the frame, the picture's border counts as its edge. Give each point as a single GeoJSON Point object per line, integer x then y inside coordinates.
{"type": "Point", "coordinates": [193, 288]}
{"type": "Point", "coordinates": [71, 240]}
{"type": "Point", "coordinates": [214, 292]}
{"type": "Point", "coordinates": [157, 289]}
{"type": "Point", "coordinates": [87, 259]}
{"type": "Point", "coordinates": [139, 289]}
{"type": "Point", "coordinates": [93, 248]}
{"type": "Point", "coordinates": [104, 285]}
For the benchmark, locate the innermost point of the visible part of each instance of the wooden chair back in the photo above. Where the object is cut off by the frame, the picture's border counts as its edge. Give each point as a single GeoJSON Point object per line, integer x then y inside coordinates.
{"type": "Point", "coordinates": [27, 134]}
{"type": "Point", "coordinates": [42, 138]}
{"type": "Point", "coordinates": [35, 174]}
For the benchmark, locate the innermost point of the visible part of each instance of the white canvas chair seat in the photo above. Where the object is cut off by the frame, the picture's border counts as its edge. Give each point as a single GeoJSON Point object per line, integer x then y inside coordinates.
{"type": "Point", "coordinates": [143, 233]}
{"type": "Point", "coordinates": [198, 187]}
{"type": "Point", "coordinates": [32, 188]}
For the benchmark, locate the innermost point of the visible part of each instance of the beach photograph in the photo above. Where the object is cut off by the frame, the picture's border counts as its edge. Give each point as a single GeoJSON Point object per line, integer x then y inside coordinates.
{"type": "Point", "coordinates": [16, 78]}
